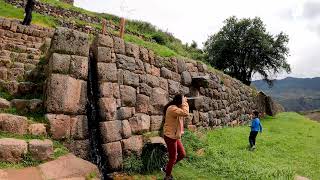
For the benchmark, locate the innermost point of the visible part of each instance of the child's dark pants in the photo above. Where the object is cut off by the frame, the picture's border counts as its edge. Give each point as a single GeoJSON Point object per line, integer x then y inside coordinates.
{"type": "Point", "coordinates": [252, 138]}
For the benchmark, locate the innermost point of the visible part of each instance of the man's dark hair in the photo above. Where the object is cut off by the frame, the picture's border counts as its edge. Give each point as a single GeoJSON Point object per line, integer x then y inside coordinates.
{"type": "Point", "coordinates": [256, 113]}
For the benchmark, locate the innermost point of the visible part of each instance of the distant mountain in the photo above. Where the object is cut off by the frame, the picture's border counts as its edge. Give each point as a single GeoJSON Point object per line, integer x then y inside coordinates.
{"type": "Point", "coordinates": [295, 94]}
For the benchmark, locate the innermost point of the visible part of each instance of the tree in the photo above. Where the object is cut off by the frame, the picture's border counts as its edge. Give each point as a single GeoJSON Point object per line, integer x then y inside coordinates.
{"type": "Point", "coordinates": [194, 44]}
{"type": "Point", "coordinates": [243, 48]}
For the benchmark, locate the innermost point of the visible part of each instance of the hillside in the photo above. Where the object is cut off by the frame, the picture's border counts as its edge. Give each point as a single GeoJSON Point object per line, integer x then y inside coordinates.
{"type": "Point", "coordinates": [295, 94]}
{"type": "Point", "coordinates": [53, 13]}
{"type": "Point", "coordinates": [280, 154]}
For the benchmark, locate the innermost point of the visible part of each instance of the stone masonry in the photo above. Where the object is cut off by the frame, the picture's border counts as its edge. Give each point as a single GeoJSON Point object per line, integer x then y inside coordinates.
{"type": "Point", "coordinates": [135, 85]}
{"type": "Point", "coordinates": [66, 90]}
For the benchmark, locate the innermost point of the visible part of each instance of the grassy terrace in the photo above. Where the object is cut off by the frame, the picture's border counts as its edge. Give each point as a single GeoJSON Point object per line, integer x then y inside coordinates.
{"type": "Point", "coordinates": [162, 43]}
{"type": "Point", "coordinates": [289, 146]}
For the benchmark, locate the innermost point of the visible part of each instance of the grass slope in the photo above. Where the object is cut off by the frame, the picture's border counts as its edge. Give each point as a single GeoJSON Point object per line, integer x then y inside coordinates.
{"type": "Point", "coordinates": [289, 146]}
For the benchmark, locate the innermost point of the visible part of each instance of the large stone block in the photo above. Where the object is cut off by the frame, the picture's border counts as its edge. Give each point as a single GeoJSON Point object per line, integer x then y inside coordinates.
{"type": "Point", "coordinates": [140, 69]}
{"type": "Point", "coordinates": [80, 148]}
{"type": "Point", "coordinates": [79, 127]}
{"type": "Point", "coordinates": [133, 145]}
{"type": "Point", "coordinates": [37, 129]}
{"type": "Point", "coordinates": [166, 73]}
{"type": "Point", "coordinates": [174, 87]}
{"type": "Point", "coordinates": [144, 54]}
{"type": "Point", "coordinates": [4, 104]}
{"type": "Point", "coordinates": [132, 50]}
{"type": "Point", "coordinates": [59, 63]}
{"type": "Point", "coordinates": [79, 67]}
{"type": "Point", "coordinates": [145, 89]}
{"type": "Point", "coordinates": [158, 99]}
{"type": "Point", "coordinates": [156, 122]}
{"type": "Point", "coordinates": [126, 129]}
{"type": "Point", "coordinates": [111, 131]}
{"type": "Point", "coordinates": [114, 153]}
{"type": "Point", "coordinates": [186, 78]}
{"type": "Point", "coordinates": [125, 113]}
{"type": "Point", "coordinates": [41, 149]}
{"type": "Point", "coordinates": [104, 54]}
{"type": "Point", "coordinates": [152, 81]}
{"type": "Point", "coordinates": [128, 96]}
{"type": "Point", "coordinates": [67, 41]}
{"type": "Point", "coordinates": [104, 40]}
{"type": "Point", "coordinates": [66, 95]}
{"type": "Point", "coordinates": [12, 150]}
{"type": "Point", "coordinates": [108, 108]}
{"type": "Point", "coordinates": [130, 79]}
{"type": "Point", "coordinates": [140, 123]}
{"type": "Point", "coordinates": [142, 104]}
{"type": "Point", "coordinates": [13, 124]}
{"type": "Point", "coordinates": [110, 90]}
{"type": "Point", "coordinates": [60, 126]}
{"type": "Point", "coordinates": [119, 45]}
{"type": "Point", "coordinates": [125, 62]}
{"type": "Point", "coordinates": [107, 72]}
{"type": "Point", "coordinates": [155, 71]}
{"type": "Point", "coordinates": [181, 65]}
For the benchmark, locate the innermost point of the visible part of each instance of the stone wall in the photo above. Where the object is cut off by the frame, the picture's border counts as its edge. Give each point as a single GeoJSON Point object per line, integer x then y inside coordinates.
{"type": "Point", "coordinates": [21, 48]}
{"type": "Point", "coordinates": [66, 90]}
{"type": "Point", "coordinates": [135, 85]}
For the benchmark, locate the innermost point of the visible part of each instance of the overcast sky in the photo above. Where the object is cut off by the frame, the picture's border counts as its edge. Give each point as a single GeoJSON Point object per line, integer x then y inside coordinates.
{"type": "Point", "coordinates": [197, 19]}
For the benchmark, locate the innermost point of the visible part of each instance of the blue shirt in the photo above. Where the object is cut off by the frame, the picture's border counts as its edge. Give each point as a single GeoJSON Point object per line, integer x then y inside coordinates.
{"type": "Point", "coordinates": [256, 125]}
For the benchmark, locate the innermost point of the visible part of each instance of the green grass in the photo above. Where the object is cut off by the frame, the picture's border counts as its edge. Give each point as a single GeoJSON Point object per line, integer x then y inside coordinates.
{"type": "Point", "coordinates": [288, 146]}
{"type": "Point", "coordinates": [9, 11]}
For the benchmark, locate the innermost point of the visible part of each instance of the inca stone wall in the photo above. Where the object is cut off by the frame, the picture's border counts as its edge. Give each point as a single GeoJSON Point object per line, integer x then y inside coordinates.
{"type": "Point", "coordinates": [135, 85]}
{"type": "Point", "coordinates": [20, 50]}
{"type": "Point", "coordinates": [66, 90]}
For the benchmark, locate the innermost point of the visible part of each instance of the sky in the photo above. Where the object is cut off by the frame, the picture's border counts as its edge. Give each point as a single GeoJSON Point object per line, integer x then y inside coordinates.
{"type": "Point", "coordinates": [198, 19]}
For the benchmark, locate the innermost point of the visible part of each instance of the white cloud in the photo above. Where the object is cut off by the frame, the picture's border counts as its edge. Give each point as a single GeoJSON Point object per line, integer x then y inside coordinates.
{"type": "Point", "coordinates": [195, 20]}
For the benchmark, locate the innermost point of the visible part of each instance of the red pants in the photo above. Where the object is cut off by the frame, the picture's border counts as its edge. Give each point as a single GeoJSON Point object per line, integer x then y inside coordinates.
{"type": "Point", "coordinates": [176, 153]}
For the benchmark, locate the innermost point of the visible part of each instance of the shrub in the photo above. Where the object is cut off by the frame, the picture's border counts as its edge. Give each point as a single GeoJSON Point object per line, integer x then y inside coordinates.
{"type": "Point", "coordinates": [154, 156]}
{"type": "Point", "coordinates": [132, 164]}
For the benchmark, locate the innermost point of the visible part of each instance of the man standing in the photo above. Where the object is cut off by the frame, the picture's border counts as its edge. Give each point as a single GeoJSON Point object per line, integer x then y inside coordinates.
{"type": "Point", "coordinates": [28, 12]}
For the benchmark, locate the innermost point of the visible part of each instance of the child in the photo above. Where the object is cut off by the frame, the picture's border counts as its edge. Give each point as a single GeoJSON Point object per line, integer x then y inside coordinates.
{"type": "Point", "coordinates": [255, 128]}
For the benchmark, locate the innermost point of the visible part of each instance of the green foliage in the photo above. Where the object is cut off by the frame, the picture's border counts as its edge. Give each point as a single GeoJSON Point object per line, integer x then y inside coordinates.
{"type": "Point", "coordinates": [288, 146]}
{"type": "Point", "coordinates": [59, 149]}
{"type": "Point", "coordinates": [92, 175]}
{"type": "Point", "coordinates": [243, 47]}
{"type": "Point", "coordinates": [132, 164]}
{"type": "Point", "coordinates": [192, 143]}
{"type": "Point", "coordinates": [154, 156]}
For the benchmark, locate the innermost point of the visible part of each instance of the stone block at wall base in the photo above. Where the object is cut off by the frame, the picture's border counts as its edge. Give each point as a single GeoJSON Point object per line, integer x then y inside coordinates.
{"type": "Point", "coordinates": [114, 153]}
{"type": "Point", "coordinates": [111, 131]}
{"type": "Point", "coordinates": [73, 98]}
{"type": "Point", "coordinates": [133, 145]}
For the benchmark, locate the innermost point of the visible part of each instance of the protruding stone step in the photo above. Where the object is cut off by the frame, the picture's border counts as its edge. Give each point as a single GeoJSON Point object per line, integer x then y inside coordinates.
{"type": "Point", "coordinates": [4, 104]}
{"type": "Point", "coordinates": [13, 124]}
{"type": "Point", "coordinates": [12, 150]}
{"type": "Point", "coordinates": [26, 105]}
{"type": "Point", "coordinates": [37, 129]}
{"type": "Point", "coordinates": [67, 166]}
{"type": "Point", "coordinates": [41, 149]}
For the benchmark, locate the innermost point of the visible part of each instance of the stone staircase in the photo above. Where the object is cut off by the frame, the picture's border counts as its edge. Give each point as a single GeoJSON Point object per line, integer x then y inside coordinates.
{"type": "Point", "coordinates": [21, 49]}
